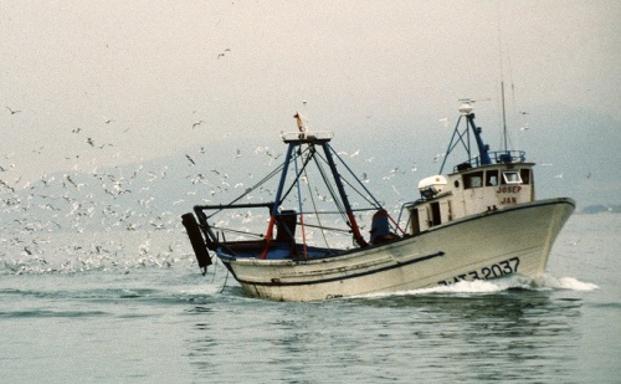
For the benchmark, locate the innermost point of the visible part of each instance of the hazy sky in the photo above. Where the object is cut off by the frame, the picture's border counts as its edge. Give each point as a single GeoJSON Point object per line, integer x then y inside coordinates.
{"type": "Point", "coordinates": [155, 67]}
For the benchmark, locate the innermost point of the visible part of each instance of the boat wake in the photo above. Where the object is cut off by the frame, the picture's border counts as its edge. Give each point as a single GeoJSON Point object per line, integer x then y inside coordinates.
{"type": "Point", "coordinates": [569, 283]}
{"type": "Point", "coordinates": [483, 287]}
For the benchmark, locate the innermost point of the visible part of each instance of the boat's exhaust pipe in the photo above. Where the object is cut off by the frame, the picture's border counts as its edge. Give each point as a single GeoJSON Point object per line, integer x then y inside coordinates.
{"type": "Point", "coordinates": [197, 241]}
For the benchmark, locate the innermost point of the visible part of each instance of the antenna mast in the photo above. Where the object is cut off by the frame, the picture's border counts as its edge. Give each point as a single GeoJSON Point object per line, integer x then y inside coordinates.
{"type": "Point", "coordinates": [502, 86]}
{"type": "Point", "coordinates": [504, 116]}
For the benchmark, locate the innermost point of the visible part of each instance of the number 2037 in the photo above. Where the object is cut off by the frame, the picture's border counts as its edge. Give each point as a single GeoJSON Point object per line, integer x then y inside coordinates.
{"type": "Point", "coordinates": [494, 271]}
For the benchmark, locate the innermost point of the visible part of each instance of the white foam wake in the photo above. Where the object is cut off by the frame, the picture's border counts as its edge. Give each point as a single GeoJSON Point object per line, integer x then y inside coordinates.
{"type": "Point", "coordinates": [569, 283]}
{"type": "Point", "coordinates": [547, 282]}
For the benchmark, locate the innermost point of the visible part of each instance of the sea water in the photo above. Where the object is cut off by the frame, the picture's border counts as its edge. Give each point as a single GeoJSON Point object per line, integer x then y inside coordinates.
{"type": "Point", "coordinates": [140, 316]}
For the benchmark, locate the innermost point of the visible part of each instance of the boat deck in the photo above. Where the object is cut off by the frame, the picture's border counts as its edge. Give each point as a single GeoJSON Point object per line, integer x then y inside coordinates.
{"type": "Point", "coordinates": [278, 250]}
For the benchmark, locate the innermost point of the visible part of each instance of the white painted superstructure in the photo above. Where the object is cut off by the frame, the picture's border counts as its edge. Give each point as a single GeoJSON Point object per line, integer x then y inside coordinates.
{"type": "Point", "coordinates": [471, 191]}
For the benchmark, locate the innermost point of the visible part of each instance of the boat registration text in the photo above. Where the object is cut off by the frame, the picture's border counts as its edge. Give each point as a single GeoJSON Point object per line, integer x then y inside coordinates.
{"type": "Point", "coordinates": [494, 271]}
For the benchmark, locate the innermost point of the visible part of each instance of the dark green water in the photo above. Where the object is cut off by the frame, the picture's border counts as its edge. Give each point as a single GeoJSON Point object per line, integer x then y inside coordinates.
{"type": "Point", "coordinates": [158, 324]}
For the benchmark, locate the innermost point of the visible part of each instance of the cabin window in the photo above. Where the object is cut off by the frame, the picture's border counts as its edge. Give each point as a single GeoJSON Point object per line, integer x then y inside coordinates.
{"type": "Point", "coordinates": [511, 177]}
{"type": "Point", "coordinates": [473, 180]}
{"type": "Point", "coordinates": [525, 174]}
{"type": "Point", "coordinates": [491, 178]}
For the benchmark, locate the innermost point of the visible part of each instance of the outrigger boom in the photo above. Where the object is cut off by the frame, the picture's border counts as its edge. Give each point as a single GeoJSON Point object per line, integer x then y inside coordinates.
{"type": "Point", "coordinates": [303, 149]}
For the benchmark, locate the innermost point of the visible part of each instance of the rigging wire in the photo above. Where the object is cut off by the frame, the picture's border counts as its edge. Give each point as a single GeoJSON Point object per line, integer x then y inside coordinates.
{"type": "Point", "coordinates": [374, 203]}
{"type": "Point", "coordinates": [310, 193]}
{"type": "Point", "coordinates": [297, 182]}
{"type": "Point", "coordinates": [337, 212]}
{"type": "Point", "coordinates": [326, 181]}
{"type": "Point", "coordinates": [328, 228]}
{"type": "Point", "coordinates": [237, 231]}
{"type": "Point", "coordinates": [226, 277]}
{"type": "Point", "coordinates": [274, 172]}
{"type": "Point", "coordinates": [396, 224]}
{"type": "Point", "coordinates": [452, 145]}
{"type": "Point", "coordinates": [297, 176]}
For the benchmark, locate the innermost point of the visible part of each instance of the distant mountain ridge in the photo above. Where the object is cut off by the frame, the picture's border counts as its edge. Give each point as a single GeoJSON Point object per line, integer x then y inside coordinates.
{"type": "Point", "coordinates": [600, 208]}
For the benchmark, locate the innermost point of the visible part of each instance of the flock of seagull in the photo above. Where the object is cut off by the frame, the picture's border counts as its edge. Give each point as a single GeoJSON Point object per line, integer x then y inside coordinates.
{"type": "Point", "coordinates": [118, 217]}
{"type": "Point", "coordinates": [123, 217]}
{"type": "Point", "coordinates": [121, 210]}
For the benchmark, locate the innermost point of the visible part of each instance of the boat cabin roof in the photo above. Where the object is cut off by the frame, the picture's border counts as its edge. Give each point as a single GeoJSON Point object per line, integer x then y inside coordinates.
{"type": "Point", "coordinates": [495, 158]}
{"type": "Point", "coordinates": [461, 169]}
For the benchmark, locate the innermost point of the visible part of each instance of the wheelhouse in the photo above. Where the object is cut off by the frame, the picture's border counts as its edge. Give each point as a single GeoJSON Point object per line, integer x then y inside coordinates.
{"type": "Point", "coordinates": [491, 181]}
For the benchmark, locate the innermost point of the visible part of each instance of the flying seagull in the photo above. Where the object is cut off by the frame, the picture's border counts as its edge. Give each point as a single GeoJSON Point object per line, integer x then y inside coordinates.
{"type": "Point", "coordinates": [223, 53]}
{"type": "Point", "coordinates": [190, 159]}
{"type": "Point", "coordinates": [13, 111]}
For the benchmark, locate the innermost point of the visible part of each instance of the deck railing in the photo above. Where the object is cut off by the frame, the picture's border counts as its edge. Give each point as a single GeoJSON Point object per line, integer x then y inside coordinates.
{"type": "Point", "coordinates": [496, 157]}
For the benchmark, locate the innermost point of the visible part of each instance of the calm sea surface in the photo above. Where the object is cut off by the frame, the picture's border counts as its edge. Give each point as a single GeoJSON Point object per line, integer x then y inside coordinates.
{"type": "Point", "coordinates": [142, 319]}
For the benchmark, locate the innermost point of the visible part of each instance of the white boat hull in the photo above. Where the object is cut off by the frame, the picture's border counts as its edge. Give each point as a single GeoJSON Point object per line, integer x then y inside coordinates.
{"type": "Point", "coordinates": [489, 245]}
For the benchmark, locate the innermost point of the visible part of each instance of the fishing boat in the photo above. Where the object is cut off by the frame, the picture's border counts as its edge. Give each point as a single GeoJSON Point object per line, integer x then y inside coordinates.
{"type": "Point", "coordinates": [478, 221]}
